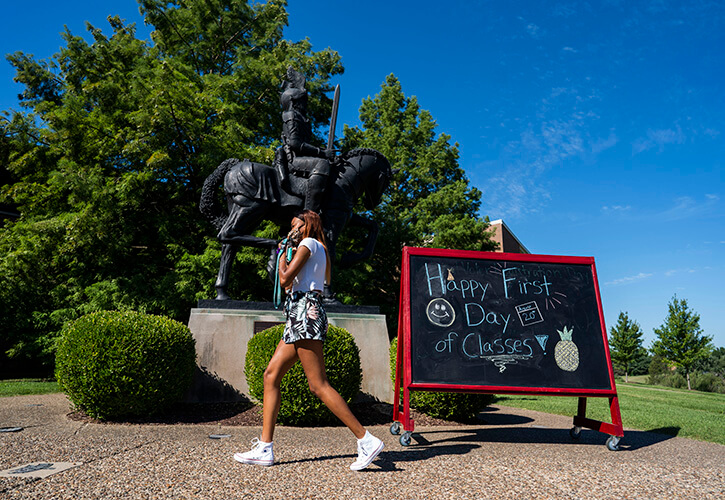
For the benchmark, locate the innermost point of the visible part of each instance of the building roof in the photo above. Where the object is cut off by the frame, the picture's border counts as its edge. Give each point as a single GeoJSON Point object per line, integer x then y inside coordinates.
{"type": "Point", "coordinates": [506, 239]}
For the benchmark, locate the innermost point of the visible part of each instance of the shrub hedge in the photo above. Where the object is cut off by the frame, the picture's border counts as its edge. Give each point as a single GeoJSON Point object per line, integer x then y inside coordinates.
{"type": "Point", "coordinates": [445, 405]}
{"type": "Point", "coordinates": [114, 365]}
{"type": "Point", "coordinates": [299, 406]}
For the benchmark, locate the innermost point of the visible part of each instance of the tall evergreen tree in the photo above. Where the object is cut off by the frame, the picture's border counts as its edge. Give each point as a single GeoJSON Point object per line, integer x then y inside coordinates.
{"type": "Point", "coordinates": [625, 341]}
{"type": "Point", "coordinates": [107, 160]}
{"type": "Point", "coordinates": [429, 202]}
{"type": "Point", "coordinates": [680, 339]}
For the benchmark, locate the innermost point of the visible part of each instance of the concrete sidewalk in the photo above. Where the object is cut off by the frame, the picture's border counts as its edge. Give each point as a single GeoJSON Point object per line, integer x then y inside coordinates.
{"type": "Point", "coordinates": [519, 454]}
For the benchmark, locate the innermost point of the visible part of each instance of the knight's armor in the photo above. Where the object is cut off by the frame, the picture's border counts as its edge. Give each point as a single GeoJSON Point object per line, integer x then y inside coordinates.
{"type": "Point", "coordinates": [296, 155]}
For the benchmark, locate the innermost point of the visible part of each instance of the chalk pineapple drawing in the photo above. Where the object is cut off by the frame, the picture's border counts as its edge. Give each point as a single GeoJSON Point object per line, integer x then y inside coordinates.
{"type": "Point", "coordinates": [566, 353]}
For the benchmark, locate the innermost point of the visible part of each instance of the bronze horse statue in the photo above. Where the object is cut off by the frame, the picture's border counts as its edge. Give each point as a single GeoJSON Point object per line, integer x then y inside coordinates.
{"type": "Point", "coordinates": [254, 192]}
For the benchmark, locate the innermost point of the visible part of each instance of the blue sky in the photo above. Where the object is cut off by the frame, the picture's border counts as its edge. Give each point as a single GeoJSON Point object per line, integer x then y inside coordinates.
{"type": "Point", "coordinates": [592, 128]}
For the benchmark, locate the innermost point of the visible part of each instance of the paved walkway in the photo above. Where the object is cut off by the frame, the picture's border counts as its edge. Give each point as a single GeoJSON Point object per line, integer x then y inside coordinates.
{"type": "Point", "coordinates": [520, 454]}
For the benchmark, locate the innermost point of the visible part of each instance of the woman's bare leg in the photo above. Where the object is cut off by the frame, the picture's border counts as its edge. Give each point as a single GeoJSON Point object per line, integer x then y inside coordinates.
{"type": "Point", "coordinates": [283, 359]}
{"type": "Point", "coordinates": [313, 362]}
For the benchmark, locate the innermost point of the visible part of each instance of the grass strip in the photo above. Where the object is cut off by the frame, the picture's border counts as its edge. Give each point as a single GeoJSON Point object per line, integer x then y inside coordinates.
{"type": "Point", "coordinates": [25, 387]}
{"type": "Point", "coordinates": [691, 414]}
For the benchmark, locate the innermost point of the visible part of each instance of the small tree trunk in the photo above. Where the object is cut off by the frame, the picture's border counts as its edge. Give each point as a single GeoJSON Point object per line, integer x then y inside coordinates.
{"type": "Point", "coordinates": [626, 377]}
{"type": "Point", "coordinates": [688, 381]}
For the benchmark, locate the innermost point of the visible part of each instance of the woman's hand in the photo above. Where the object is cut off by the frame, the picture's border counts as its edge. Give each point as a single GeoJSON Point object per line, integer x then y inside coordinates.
{"type": "Point", "coordinates": [288, 272]}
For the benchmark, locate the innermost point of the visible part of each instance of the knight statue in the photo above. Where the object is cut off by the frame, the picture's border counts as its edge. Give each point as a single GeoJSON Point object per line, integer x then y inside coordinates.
{"type": "Point", "coordinates": [303, 176]}
{"type": "Point", "coordinates": [296, 155]}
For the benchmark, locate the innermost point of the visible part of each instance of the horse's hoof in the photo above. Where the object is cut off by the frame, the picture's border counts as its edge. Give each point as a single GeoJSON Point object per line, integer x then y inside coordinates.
{"type": "Point", "coordinates": [221, 294]}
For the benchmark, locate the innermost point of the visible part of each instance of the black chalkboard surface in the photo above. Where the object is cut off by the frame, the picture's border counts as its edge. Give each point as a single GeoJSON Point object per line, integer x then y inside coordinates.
{"type": "Point", "coordinates": [503, 323]}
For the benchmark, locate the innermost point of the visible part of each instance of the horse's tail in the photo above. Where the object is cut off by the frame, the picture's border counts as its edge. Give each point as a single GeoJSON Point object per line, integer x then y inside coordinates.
{"type": "Point", "coordinates": [209, 203]}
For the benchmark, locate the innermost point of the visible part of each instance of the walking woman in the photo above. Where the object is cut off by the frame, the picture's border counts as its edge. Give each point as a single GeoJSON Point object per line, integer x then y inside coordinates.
{"type": "Point", "coordinates": [303, 336]}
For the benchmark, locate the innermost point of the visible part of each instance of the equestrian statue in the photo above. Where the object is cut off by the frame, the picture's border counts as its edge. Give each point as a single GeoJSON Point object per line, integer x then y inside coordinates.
{"type": "Point", "coordinates": [303, 177]}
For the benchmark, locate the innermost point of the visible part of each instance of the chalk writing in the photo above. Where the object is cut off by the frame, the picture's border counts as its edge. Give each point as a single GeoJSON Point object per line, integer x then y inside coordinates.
{"type": "Point", "coordinates": [474, 345]}
{"type": "Point", "coordinates": [440, 312]}
{"type": "Point", "coordinates": [525, 287]}
{"type": "Point", "coordinates": [476, 315]}
{"type": "Point", "coordinates": [501, 361]}
{"type": "Point", "coordinates": [437, 285]}
{"type": "Point", "coordinates": [468, 288]}
{"type": "Point", "coordinates": [542, 339]}
{"type": "Point", "coordinates": [445, 345]}
{"type": "Point", "coordinates": [529, 313]}
{"type": "Point", "coordinates": [435, 278]}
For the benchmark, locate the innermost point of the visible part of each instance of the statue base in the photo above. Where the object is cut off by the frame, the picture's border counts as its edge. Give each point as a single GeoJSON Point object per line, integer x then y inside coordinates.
{"type": "Point", "coordinates": [269, 306]}
{"type": "Point", "coordinates": [222, 329]}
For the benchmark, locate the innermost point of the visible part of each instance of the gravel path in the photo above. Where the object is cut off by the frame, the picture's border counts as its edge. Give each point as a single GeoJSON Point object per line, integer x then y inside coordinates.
{"type": "Point", "coordinates": [518, 454]}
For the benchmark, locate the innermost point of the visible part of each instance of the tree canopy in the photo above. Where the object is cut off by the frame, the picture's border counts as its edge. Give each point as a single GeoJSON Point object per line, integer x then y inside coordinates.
{"type": "Point", "coordinates": [680, 340]}
{"type": "Point", "coordinates": [106, 161]}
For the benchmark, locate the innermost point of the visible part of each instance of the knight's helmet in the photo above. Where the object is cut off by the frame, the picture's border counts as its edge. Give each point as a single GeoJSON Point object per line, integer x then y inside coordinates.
{"type": "Point", "coordinates": [293, 90]}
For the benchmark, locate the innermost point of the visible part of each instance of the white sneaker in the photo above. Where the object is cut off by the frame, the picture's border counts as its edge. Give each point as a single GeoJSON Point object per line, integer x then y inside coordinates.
{"type": "Point", "coordinates": [367, 449]}
{"type": "Point", "coordinates": [260, 454]}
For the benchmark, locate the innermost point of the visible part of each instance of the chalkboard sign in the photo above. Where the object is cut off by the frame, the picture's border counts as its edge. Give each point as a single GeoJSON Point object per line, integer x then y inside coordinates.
{"type": "Point", "coordinates": [502, 323]}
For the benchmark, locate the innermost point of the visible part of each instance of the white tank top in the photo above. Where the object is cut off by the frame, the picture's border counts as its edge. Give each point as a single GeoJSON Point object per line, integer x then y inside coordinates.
{"type": "Point", "coordinates": [312, 275]}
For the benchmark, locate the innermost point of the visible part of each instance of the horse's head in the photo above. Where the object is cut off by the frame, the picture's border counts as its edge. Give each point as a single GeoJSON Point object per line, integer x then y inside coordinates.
{"type": "Point", "coordinates": [374, 173]}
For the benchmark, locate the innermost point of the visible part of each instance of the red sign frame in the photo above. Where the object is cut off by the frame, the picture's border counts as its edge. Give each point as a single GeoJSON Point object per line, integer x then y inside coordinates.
{"type": "Point", "coordinates": [403, 372]}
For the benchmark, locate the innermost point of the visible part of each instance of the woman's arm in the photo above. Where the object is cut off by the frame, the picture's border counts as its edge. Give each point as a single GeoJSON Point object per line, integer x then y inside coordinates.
{"type": "Point", "coordinates": [288, 272]}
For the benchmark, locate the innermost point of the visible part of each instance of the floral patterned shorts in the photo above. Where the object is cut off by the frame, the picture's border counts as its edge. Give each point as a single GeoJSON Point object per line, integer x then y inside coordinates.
{"type": "Point", "coordinates": [306, 317]}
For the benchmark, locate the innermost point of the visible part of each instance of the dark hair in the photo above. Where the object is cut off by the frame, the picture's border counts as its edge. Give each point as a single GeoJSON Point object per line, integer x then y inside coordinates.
{"type": "Point", "coordinates": [313, 226]}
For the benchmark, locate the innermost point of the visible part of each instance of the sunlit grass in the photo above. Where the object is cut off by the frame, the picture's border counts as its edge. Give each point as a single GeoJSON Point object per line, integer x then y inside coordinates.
{"type": "Point", "coordinates": [692, 414]}
{"type": "Point", "coordinates": [24, 387]}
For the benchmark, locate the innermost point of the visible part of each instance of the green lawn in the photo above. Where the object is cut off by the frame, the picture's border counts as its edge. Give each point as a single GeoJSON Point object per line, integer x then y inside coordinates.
{"type": "Point", "coordinates": [692, 414]}
{"type": "Point", "coordinates": [27, 386]}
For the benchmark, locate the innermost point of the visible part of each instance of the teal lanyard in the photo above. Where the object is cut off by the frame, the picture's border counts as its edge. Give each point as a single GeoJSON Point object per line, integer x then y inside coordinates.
{"type": "Point", "coordinates": [277, 284]}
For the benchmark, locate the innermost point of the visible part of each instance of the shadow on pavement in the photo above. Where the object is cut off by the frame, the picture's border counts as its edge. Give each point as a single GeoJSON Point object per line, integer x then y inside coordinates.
{"type": "Point", "coordinates": [389, 459]}
{"type": "Point", "coordinates": [632, 440]}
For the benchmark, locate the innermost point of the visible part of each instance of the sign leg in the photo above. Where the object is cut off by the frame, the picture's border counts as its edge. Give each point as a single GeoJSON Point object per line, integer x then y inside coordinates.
{"type": "Point", "coordinates": [398, 380]}
{"type": "Point", "coordinates": [408, 424]}
{"type": "Point", "coordinates": [615, 429]}
{"type": "Point", "coordinates": [616, 417]}
{"type": "Point", "coordinates": [582, 408]}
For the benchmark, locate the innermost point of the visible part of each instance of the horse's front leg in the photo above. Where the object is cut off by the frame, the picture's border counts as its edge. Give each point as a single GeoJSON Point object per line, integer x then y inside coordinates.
{"type": "Point", "coordinates": [225, 267]}
{"type": "Point", "coordinates": [244, 215]}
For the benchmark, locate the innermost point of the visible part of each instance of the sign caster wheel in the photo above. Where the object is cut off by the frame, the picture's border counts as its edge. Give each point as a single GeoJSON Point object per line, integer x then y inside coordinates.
{"type": "Point", "coordinates": [613, 443]}
{"type": "Point", "coordinates": [575, 432]}
{"type": "Point", "coordinates": [405, 438]}
{"type": "Point", "coordinates": [395, 428]}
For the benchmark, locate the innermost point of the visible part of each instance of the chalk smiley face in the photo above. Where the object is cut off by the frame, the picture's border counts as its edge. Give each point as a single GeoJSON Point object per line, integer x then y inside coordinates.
{"type": "Point", "coordinates": [440, 312]}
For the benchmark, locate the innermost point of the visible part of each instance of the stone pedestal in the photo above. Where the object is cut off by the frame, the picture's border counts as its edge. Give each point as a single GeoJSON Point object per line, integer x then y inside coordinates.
{"type": "Point", "coordinates": [221, 345]}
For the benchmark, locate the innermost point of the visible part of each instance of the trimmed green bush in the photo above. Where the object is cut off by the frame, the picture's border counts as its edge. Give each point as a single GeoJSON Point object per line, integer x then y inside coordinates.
{"type": "Point", "coordinates": [115, 365]}
{"type": "Point", "coordinates": [299, 406]}
{"type": "Point", "coordinates": [445, 405]}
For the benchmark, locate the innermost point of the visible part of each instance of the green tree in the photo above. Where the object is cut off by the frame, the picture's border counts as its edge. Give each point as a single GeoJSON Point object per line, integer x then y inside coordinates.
{"type": "Point", "coordinates": [625, 341]}
{"type": "Point", "coordinates": [717, 361]}
{"type": "Point", "coordinates": [640, 366]}
{"type": "Point", "coordinates": [429, 202]}
{"type": "Point", "coordinates": [107, 159]}
{"type": "Point", "coordinates": [680, 339]}
{"type": "Point", "coordinates": [714, 363]}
